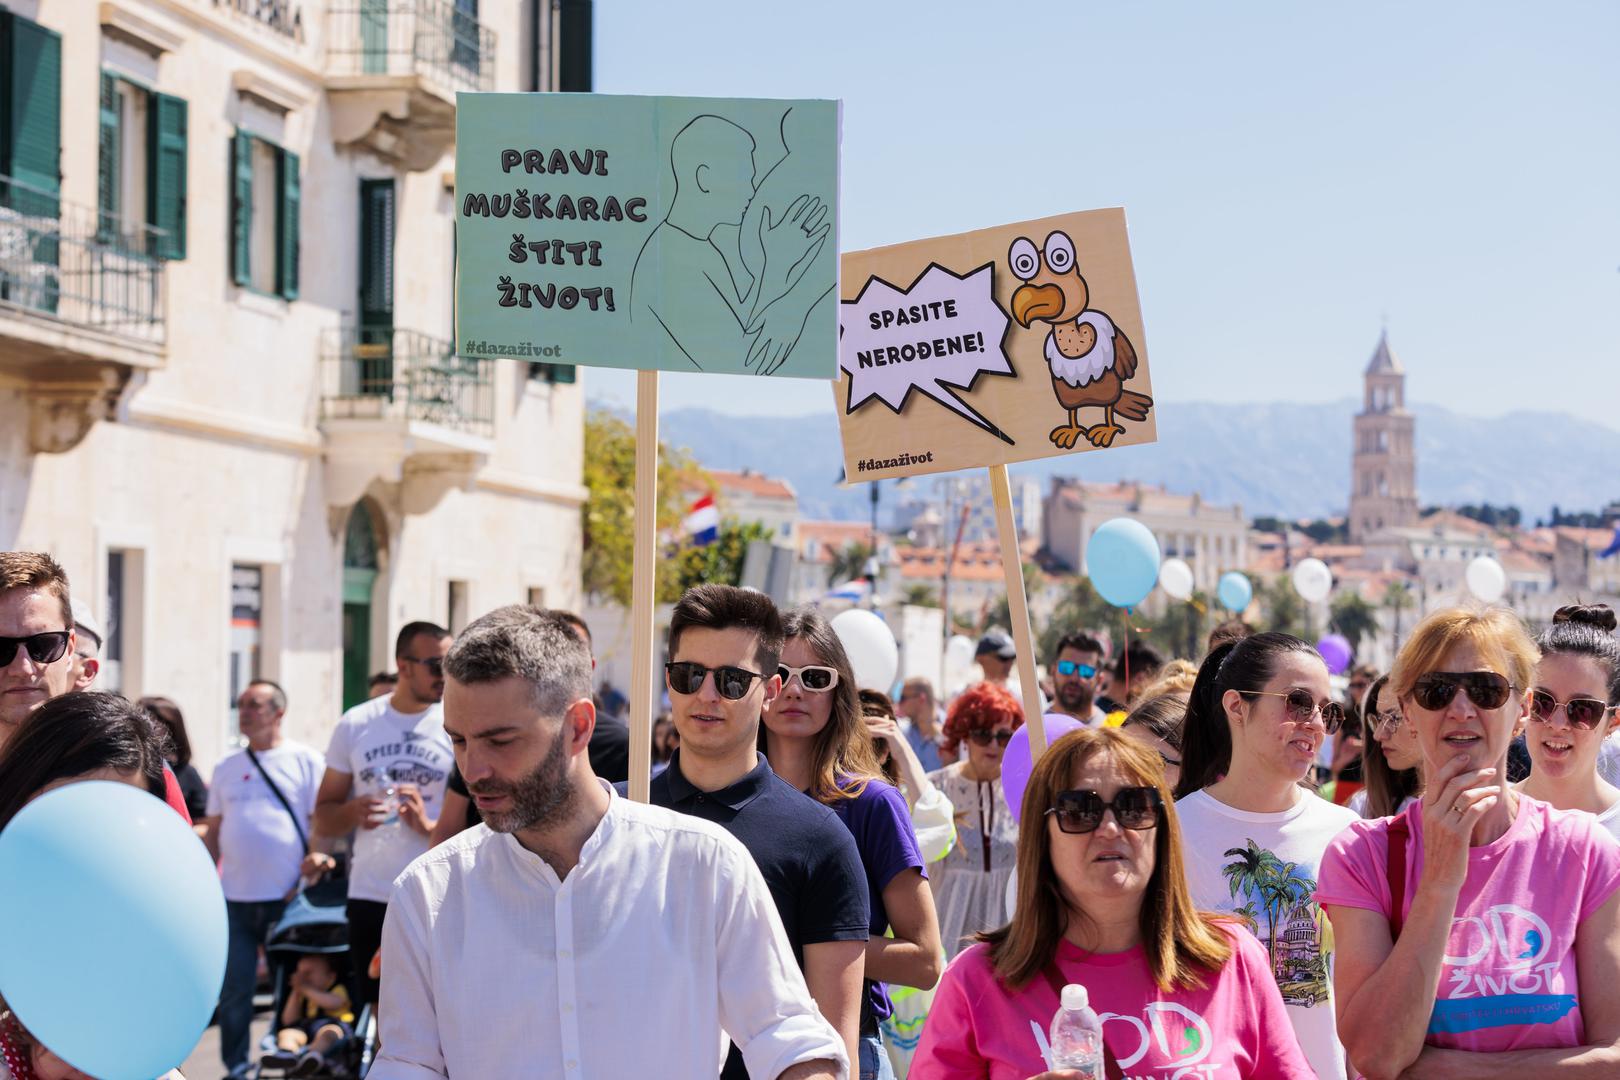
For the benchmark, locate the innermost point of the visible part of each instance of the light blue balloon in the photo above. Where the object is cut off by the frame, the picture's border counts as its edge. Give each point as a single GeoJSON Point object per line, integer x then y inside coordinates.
{"type": "Point", "coordinates": [1122, 561]}
{"type": "Point", "coordinates": [1234, 591]}
{"type": "Point", "coordinates": [115, 929]}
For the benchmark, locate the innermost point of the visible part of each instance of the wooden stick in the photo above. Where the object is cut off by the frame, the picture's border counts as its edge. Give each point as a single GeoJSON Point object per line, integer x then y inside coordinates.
{"type": "Point", "coordinates": [1012, 571]}
{"type": "Point", "coordinates": [643, 586]}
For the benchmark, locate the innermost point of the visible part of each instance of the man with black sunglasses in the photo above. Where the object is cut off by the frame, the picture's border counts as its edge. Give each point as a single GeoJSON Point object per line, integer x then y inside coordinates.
{"type": "Point", "coordinates": [386, 769]}
{"type": "Point", "coordinates": [36, 636]}
{"type": "Point", "coordinates": [725, 645]}
{"type": "Point", "coordinates": [1075, 667]}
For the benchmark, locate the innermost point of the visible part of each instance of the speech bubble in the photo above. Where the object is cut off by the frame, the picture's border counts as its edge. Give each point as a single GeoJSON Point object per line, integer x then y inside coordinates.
{"type": "Point", "coordinates": [936, 337]}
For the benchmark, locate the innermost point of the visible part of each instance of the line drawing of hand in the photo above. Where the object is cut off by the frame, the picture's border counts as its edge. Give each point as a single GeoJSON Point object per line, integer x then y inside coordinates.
{"type": "Point", "coordinates": [790, 244]}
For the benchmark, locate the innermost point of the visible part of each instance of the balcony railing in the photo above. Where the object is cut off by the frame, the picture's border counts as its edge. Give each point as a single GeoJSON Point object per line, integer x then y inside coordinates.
{"type": "Point", "coordinates": [436, 39]}
{"type": "Point", "coordinates": [66, 263]}
{"type": "Point", "coordinates": [381, 373]}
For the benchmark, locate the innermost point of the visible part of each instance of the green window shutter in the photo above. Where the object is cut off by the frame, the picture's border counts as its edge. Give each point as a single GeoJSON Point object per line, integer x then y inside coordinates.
{"type": "Point", "coordinates": [241, 208]}
{"type": "Point", "coordinates": [107, 178]}
{"type": "Point", "coordinates": [376, 255]}
{"type": "Point", "coordinates": [31, 120]}
{"type": "Point", "coordinates": [564, 373]}
{"type": "Point", "coordinates": [287, 225]}
{"type": "Point", "coordinates": [166, 173]}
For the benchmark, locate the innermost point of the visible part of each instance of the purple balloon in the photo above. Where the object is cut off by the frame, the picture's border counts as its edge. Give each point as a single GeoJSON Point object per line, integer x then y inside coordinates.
{"type": "Point", "coordinates": [1016, 765]}
{"type": "Point", "coordinates": [1337, 652]}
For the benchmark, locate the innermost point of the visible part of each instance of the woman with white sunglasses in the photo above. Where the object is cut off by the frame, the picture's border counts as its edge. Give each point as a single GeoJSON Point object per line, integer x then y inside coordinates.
{"type": "Point", "coordinates": [1572, 709]}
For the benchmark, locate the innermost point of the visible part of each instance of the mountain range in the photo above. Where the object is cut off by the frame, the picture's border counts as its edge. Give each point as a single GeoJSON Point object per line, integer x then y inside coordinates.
{"type": "Point", "coordinates": [1278, 458]}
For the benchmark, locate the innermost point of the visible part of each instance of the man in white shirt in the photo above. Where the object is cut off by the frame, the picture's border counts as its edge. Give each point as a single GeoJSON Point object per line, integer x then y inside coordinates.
{"type": "Point", "coordinates": [575, 933]}
{"type": "Point", "coordinates": [259, 810]}
{"type": "Point", "coordinates": [386, 768]}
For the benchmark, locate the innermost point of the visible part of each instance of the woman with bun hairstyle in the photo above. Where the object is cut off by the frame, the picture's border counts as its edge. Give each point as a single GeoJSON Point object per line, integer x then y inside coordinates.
{"type": "Point", "coordinates": [1259, 712]}
{"type": "Point", "coordinates": [1391, 764]}
{"type": "Point", "coordinates": [1478, 930]}
{"type": "Point", "coordinates": [1572, 709]}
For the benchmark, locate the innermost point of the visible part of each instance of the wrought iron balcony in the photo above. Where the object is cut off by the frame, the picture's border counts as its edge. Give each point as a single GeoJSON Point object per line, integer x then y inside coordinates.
{"type": "Point", "coordinates": [393, 69]}
{"type": "Point", "coordinates": [381, 373]}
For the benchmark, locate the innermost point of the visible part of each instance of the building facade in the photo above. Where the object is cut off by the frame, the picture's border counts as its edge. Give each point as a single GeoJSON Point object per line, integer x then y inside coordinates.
{"type": "Point", "coordinates": [230, 402]}
{"type": "Point", "coordinates": [1383, 467]}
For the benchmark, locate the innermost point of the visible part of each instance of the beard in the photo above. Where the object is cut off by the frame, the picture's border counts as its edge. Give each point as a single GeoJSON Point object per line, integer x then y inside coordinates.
{"type": "Point", "coordinates": [542, 798]}
{"type": "Point", "coordinates": [1076, 696]}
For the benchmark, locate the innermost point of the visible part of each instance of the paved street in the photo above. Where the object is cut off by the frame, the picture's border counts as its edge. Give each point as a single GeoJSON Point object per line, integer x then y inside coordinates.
{"type": "Point", "coordinates": [203, 1062]}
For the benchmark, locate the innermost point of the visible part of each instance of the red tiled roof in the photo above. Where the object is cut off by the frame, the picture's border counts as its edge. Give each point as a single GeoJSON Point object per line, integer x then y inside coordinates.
{"type": "Point", "coordinates": [752, 483]}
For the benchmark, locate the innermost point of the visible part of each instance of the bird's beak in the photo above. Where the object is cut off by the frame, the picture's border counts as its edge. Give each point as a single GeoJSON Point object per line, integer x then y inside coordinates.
{"type": "Point", "coordinates": [1037, 302]}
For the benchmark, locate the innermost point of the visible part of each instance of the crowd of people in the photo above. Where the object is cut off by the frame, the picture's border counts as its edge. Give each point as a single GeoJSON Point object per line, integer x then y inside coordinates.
{"type": "Point", "coordinates": [1256, 869]}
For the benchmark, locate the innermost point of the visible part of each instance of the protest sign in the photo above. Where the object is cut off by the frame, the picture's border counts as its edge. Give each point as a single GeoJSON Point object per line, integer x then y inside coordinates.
{"type": "Point", "coordinates": [682, 234]}
{"type": "Point", "coordinates": [1007, 344]}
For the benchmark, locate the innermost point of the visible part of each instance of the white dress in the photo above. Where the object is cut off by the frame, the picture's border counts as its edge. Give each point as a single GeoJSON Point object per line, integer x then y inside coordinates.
{"type": "Point", "coordinates": [970, 882]}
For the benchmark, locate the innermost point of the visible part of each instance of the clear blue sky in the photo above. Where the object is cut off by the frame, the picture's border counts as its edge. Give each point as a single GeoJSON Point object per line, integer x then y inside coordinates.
{"type": "Point", "coordinates": [1293, 173]}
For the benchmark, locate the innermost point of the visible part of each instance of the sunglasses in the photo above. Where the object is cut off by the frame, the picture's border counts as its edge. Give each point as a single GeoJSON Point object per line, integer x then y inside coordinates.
{"type": "Point", "coordinates": [1583, 712]}
{"type": "Point", "coordinates": [1069, 667]}
{"type": "Point", "coordinates": [46, 648]}
{"type": "Point", "coordinates": [984, 736]}
{"type": "Point", "coordinates": [434, 664]}
{"type": "Point", "coordinates": [686, 677]}
{"type": "Point", "coordinates": [1486, 689]}
{"type": "Point", "coordinates": [1082, 811]}
{"type": "Point", "coordinates": [1382, 720]}
{"type": "Point", "coordinates": [813, 677]}
{"type": "Point", "coordinates": [1301, 707]}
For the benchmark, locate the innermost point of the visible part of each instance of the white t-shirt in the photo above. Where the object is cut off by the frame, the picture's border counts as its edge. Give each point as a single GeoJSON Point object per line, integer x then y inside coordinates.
{"type": "Point", "coordinates": [1610, 820]}
{"type": "Point", "coordinates": [1270, 862]}
{"type": "Point", "coordinates": [381, 747]}
{"type": "Point", "coordinates": [1358, 803]}
{"type": "Point", "coordinates": [259, 849]}
{"type": "Point", "coordinates": [1608, 764]}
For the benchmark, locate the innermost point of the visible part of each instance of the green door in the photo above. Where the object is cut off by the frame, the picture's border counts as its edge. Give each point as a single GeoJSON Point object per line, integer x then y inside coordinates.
{"type": "Point", "coordinates": [359, 579]}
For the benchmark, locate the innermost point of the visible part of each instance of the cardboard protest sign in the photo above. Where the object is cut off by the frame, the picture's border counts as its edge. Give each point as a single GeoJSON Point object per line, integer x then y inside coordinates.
{"type": "Point", "coordinates": [682, 234]}
{"type": "Point", "coordinates": [1007, 344]}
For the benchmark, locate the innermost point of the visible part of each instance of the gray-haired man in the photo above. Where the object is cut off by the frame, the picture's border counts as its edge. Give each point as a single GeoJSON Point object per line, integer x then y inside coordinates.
{"type": "Point", "coordinates": [519, 947]}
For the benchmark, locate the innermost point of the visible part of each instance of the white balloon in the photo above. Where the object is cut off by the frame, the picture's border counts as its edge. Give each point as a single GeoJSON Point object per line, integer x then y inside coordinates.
{"type": "Point", "coordinates": [1313, 580]}
{"type": "Point", "coordinates": [873, 654]}
{"type": "Point", "coordinates": [1176, 578]}
{"type": "Point", "coordinates": [1486, 579]}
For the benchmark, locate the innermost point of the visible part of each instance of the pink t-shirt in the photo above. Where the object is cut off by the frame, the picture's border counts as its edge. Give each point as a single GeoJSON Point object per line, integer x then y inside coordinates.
{"type": "Point", "coordinates": [1508, 979]}
{"type": "Point", "coordinates": [1232, 1029]}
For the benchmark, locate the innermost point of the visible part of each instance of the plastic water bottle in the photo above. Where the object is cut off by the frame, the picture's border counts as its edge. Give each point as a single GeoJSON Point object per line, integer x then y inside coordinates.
{"type": "Point", "coordinates": [390, 808]}
{"type": "Point", "coordinates": [1077, 1040]}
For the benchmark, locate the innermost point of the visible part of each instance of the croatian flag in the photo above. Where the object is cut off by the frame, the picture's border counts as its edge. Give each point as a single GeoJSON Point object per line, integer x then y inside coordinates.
{"type": "Point", "coordinates": [1614, 545]}
{"type": "Point", "coordinates": [702, 522]}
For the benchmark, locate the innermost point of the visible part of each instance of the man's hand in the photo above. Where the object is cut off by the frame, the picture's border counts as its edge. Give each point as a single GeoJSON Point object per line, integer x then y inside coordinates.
{"type": "Point", "coordinates": [368, 810]}
{"type": "Point", "coordinates": [316, 865]}
{"type": "Point", "coordinates": [412, 811]}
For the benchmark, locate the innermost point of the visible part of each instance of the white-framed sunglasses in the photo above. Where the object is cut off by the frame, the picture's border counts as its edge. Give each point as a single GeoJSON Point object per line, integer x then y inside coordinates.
{"type": "Point", "coordinates": [815, 678]}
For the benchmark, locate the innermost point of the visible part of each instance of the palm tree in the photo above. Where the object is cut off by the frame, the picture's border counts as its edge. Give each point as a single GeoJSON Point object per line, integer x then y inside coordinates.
{"type": "Point", "coordinates": [1352, 616]}
{"type": "Point", "coordinates": [849, 563]}
{"type": "Point", "coordinates": [920, 595]}
{"type": "Point", "coordinates": [1250, 917]}
{"type": "Point", "coordinates": [1283, 890]}
{"type": "Point", "coordinates": [1250, 872]}
{"type": "Point", "coordinates": [1397, 597]}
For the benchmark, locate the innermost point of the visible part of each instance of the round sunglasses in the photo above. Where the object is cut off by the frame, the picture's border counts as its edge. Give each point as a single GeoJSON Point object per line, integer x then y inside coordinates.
{"type": "Point", "coordinates": [732, 683]}
{"type": "Point", "coordinates": [1301, 707]}
{"type": "Point", "coordinates": [1134, 808]}
{"type": "Point", "coordinates": [1436, 690]}
{"type": "Point", "coordinates": [1583, 712]}
{"type": "Point", "coordinates": [816, 678]}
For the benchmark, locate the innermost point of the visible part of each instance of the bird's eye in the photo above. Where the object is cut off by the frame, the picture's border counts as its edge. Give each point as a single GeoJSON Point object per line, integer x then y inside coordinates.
{"type": "Point", "coordinates": [1059, 253]}
{"type": "Point", "coordinates": [1023, 258]}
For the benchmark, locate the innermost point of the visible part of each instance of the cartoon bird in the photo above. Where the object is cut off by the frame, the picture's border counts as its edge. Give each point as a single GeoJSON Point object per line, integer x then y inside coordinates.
{"type": "Point", "coordinates": [1091, 360]}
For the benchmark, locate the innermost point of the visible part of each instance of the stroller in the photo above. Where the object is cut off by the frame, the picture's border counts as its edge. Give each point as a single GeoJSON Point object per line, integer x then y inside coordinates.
{"type": "Point", "coordinates": [314, 922]}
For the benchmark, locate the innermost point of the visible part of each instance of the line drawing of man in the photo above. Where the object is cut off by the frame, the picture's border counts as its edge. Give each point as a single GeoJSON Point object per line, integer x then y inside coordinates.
{"type": "Point", "coordinates": [697, 287]}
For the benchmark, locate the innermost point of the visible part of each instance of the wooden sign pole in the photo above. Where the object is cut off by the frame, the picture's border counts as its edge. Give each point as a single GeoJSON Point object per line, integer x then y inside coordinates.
{"type": "Point", "coordinates": [644, 582]}
{"type": "Point", "coordinates": [1012, 569]}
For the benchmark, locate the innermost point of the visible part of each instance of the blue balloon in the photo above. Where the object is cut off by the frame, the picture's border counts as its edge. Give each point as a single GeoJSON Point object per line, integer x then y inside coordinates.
{"type": "Point", "coordinates": [1122, 561]}
{"type": "Point", "coordinates": [1234, 591]}
{"type": "Point", "coordinates": [115, 929]}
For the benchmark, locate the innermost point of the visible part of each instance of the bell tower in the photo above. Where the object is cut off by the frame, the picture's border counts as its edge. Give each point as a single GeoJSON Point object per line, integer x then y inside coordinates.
{"type": "Point", "coordinates": [1383, 465]}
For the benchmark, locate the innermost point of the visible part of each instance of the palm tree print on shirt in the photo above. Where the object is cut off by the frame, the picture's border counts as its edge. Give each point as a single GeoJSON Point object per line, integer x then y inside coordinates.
{"type": "Point", "coordinates": [1277, 908]}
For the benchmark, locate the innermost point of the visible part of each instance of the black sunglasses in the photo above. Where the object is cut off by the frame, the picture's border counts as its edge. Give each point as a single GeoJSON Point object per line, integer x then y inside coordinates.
{"type": "Point", "coordinates": [1583, 712]}
{"type": "Point", "coordinates": [686, 677]}
{"type": "Point", "coordinates": [1301, 707]}
{"type": "Point", "coordinates": [1486, 689]}
{"type": "Point", "coordinates": [46, 648]}
{"type": "Point", "coordinates": [1082, 811]}
{"type": "Point", "coordinates": [984, 736]}
{"type": "Point", "coordinates": [434, 664]}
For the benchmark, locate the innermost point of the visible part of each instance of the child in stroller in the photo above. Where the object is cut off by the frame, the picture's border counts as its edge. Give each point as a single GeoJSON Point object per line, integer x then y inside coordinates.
{"type": "Point", "coordinates": [316, 1019]}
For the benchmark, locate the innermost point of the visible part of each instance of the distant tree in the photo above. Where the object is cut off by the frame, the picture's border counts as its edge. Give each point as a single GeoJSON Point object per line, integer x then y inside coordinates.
{"type": "Point", "coordinates": [919, 595]}
{"type": "Point", "coordinates": [1269, 524]}
{"type": "Point", "coordinates": [1397, 598]}
{"type": "Point", "coordinates": [849, 563]}
{"type": "Point", "coordinates": [720, 562]}
{"type": "Point", "coordinates": [608, 516]}
{"type": "Point", "coordinates": [1327, 532]}
{"type": "Point", "coordinates": [1282, 609]}
{"type": "Point", "coordinates": [1352, 617]}
{"type": "Point", "coordinates": [1497, 517]}
{"type": "Point", "coordinates": [1181, 630]}
{"type": "Point", "coordinates": [1080, 608]}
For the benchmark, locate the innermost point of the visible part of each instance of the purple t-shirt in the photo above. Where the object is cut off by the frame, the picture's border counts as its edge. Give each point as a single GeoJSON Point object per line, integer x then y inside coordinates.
{"type": "Point", "coordinates": [880, 821]}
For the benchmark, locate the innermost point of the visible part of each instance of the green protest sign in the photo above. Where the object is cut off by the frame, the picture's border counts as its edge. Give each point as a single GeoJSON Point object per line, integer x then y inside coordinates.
{"type": "Point", "coordinates": [681, 234]}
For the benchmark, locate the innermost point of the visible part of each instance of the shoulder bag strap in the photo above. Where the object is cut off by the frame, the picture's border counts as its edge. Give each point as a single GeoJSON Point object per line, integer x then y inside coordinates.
{"type": "Point", "coordinates": [1056, 982]}
{"type": "Point", "coordinates": [1398, 835]}
{"type": "Point", "coordinates": [303, 838]}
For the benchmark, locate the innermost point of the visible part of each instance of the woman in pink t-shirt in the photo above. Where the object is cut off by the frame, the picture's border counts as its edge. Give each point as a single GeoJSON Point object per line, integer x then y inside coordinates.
{"type": "Point", "coordinates": [1181, 993]}
{"type": "Point", "coordinates": [1479, 930]}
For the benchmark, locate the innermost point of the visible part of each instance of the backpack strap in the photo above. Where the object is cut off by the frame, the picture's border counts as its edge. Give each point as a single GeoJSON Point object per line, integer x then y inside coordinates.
{"type": "Point", "coordinates": [1399, 835]}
